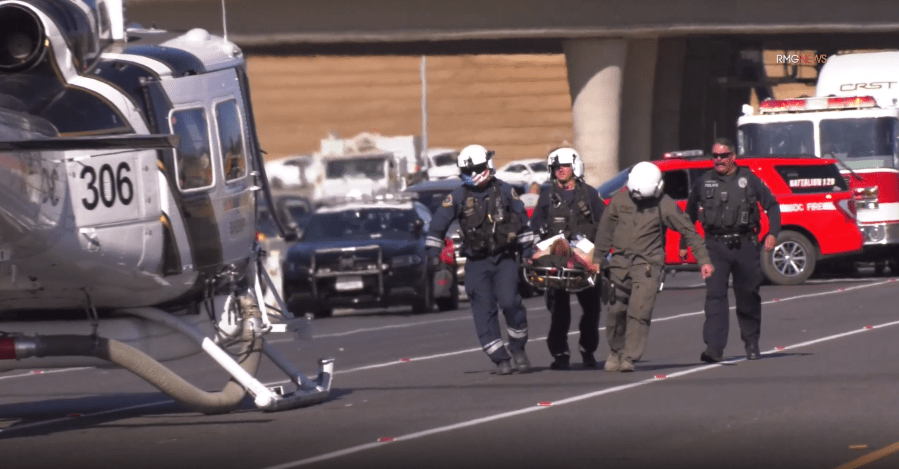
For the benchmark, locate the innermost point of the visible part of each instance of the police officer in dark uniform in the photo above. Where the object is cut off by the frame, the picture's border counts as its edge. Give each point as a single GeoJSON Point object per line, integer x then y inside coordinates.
{"type": "Point", "coordinates": [726, 200]}
{"type": "Point", "coordinates": [572, 208]}
{"type": "Point", "coordinates": [495, 233]}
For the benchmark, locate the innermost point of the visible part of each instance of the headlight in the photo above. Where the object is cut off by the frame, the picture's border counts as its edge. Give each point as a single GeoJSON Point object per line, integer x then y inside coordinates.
{"type": "Point", "coordinates": [875, 234]}
{"type": "Point", "coordinates": [402, 261]}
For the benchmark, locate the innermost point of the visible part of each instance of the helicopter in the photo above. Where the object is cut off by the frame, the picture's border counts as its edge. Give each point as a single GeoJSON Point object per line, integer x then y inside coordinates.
{"type": "Point", "coordinates": [129, 173]}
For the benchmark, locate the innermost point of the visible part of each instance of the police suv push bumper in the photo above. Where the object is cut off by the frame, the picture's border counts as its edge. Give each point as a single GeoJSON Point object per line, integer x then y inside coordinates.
{"type": "Point", "coordinates": [358, 276]}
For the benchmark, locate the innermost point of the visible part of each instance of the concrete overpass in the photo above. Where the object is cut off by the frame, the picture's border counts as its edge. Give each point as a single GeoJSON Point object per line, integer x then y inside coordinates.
{"type": "Point", "coordinates": [645, 75]}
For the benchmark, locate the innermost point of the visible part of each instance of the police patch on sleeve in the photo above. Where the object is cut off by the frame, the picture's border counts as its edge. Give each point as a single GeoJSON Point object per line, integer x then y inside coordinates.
{"type": "Point", "coordinates": [448, 201]}
{"type": "Point", "coordinates": [742, 182]}
{"type": "Point", "coordinates": [515, 195]}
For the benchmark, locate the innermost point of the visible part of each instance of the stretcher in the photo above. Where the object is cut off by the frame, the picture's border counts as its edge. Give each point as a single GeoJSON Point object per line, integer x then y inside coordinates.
{"type": "Point", "coordinates": [569, 279]}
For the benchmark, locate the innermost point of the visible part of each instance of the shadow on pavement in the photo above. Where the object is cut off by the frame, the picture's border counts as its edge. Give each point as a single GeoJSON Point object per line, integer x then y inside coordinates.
{"type": "Point", "coordinates": [52, 416]}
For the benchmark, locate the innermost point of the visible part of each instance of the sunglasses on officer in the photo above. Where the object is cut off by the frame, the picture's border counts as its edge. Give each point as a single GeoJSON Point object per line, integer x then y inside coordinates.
{"type": "Point", "coordinates": [557, 167]}
{"type": "Point", "coordinates": [723, 155]}
{"type": "Point", "coordinates": [476, 169]}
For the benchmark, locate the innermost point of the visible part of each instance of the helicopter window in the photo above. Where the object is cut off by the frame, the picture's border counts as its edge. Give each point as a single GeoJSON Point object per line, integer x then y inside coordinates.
{"type": "Point", "coordinates": [234, 160]}
{"type": "Point", "coordinates": [192, 161]}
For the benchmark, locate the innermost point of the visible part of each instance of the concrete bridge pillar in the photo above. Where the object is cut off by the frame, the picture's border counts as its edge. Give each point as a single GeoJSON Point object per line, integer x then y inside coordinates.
{"type": "Point", "coordinates": [595, 73]}
{"type": "Point", "coordinates": [666, 108]}
{"type": "Point", "coordinates": [637, 102]}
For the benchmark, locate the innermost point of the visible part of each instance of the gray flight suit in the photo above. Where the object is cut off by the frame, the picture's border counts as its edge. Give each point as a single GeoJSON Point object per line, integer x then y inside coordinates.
{"type": "Point", "coordinates": [633, 230]}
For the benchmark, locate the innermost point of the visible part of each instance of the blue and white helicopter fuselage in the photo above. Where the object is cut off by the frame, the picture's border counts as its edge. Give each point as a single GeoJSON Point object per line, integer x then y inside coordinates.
{"type": "Point", "coordinates": [129, 171]}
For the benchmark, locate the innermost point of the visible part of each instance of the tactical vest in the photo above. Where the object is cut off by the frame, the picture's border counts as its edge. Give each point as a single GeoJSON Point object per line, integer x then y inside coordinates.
{"type": "Point", "coordinates": [728, 207]}
{"type": "Point", "coordinates": [488, 224]}
{"type": "Point", "coordinates": [562, 219]}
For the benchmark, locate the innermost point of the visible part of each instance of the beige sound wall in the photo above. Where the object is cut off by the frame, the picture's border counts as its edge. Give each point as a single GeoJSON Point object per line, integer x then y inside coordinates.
{"type": "Point", "coordinates": [518, 105]}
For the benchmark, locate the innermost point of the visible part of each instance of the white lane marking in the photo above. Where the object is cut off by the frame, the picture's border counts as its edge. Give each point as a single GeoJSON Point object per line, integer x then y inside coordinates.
{"type": "Point", "coordinates": [667, 318]}
{"type": "Point", "coordinates": [291, 339]}
{"type": "Point", "coordinates": [45, 372]}
{"type": "Point", "coordinates": [478, 349]}
{"type": "Point", "coordinates": [835, 280]}
{"type": "Point", "coordinates": [396, 326]}
{"type": "Point", "coordinates": [581, 397]}
{"type": "Point", "coordinates": [460, 318]}
{"type": "Point", "coordinates": [383, 328]}
{"type": "Point", "coordinates": [811, 282]}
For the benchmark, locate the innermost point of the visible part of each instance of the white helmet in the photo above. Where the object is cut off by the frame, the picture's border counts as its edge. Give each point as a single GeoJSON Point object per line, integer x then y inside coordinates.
{"type": "Point", "coordinates": [645, 181]}
{"type": "Point", "coordinates": [472, 157]}
{"type": "Point", "coordinates": [578, 168]}
{"type": "Point", "coordinates": [565, 156]}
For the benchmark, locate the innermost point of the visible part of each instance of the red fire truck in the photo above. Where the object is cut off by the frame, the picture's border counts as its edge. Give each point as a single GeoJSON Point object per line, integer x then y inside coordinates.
{"type": "Point", "coordinates": [817, 209]}
{"type": "Point", "coordinates": [854, 119]}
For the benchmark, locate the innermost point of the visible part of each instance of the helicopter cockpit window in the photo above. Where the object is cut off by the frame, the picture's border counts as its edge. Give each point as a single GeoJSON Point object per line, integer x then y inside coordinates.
{"type": "Point", "coordinates": [234, 160]}
{"type": "Point", "coordinates": [192, 160]}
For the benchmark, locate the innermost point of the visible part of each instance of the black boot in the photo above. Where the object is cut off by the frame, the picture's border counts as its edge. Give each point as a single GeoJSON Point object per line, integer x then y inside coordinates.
{"type": "Point", "coordinates": [711, 356]}
{"type": "Point", "coordinates": [522, 364]}
{"type": "Point", "coordinates": [752, 352]}
{"type": "Point", "coordinates": [561, 363]}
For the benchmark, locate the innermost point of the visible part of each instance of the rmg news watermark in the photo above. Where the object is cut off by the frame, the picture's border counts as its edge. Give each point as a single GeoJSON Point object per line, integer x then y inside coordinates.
{"type": "Point", "coordinates": [805, 59]}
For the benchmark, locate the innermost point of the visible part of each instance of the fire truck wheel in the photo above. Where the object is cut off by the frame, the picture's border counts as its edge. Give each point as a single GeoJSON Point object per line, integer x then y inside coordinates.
{"type": "Point", "coordinates": [792, 260]}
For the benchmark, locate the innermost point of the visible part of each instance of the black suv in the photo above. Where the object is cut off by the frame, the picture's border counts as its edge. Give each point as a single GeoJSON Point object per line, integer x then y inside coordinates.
{"type": "Point", "coordinates": [365, 255]}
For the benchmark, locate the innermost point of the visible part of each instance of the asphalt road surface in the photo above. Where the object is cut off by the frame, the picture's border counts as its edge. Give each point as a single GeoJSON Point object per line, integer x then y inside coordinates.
{"type": "Point", "coordinates": [417, 391]}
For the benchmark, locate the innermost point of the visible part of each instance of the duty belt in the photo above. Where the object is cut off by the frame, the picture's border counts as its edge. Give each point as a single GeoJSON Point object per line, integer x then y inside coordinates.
{"type": "Point", "coordinates": [734, 240]}
{"type": "Point", "coordinates": [730, 236]}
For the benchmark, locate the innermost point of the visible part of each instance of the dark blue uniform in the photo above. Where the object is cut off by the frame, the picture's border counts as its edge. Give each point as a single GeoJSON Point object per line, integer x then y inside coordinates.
{"type": "Point", "coordinates": [731, 222]}
{"type": "Point", "coordinates": [491, 274]}
{"type": "Point", "coordinates": [567, 211]}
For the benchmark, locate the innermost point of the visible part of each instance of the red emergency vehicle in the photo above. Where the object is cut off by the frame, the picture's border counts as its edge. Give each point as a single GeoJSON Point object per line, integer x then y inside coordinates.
{"type": "Point", "coordinates": [817, 209]}
{"type": "Point", "coordinates": [854, 118]}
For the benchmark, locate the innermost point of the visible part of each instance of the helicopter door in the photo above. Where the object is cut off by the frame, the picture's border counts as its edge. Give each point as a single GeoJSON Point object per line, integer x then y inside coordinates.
{"type": "Point", "coordinates": [209, 170]}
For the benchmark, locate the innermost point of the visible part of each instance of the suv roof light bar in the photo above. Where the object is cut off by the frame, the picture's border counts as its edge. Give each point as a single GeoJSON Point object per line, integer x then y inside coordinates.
{"type": "Point", "coordinates": [683, 154]}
